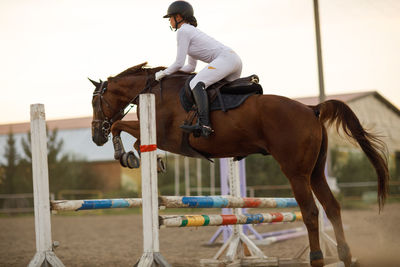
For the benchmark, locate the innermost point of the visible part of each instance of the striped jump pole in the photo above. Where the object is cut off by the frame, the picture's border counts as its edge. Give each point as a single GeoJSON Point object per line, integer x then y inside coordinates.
{"type": "Point", "coordinates": [218, 220]}
{"type": "Point", "coordinates": [95, 204]}
{"type": "Point", "coordinates": [174, 202]}
{"type": "Point", "coordinates": [225, 202]}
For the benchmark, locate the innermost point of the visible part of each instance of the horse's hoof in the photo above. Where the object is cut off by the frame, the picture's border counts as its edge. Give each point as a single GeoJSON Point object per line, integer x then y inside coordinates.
{"type": "Point", "coordinates": [123, 160]}
{"type": "Point", "coordinates": [354, 263]}
{"type": "Point", "coordinates": [132, 161]}
{"type": "Point", "coordinates": [129, 160]}
{"type": "Point", "coordinates": [161, 167]}
{"type": "Point", "coordinates": [317, 263]}
{"type": "Point", "coordinates": [316, 258]}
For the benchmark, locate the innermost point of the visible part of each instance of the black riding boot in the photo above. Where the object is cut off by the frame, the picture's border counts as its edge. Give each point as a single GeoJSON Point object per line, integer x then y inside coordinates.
{"type": "Point", "coordinates": [203, 125]}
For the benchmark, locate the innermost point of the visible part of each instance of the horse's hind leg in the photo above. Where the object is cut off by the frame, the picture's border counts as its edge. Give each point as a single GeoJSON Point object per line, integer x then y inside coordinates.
{"type": "Point", "coordinates": [297, 158]}
{"type": "Point", "coordinates": [332, 210]}
{"type": "Point", "coordinates": [322, 191]}
{"type": "Point", "coordinates": [302, 192]}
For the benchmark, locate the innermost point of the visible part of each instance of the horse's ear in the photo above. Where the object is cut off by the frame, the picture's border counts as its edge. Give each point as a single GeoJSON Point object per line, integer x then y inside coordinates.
{"type": "Point", "coordinates": [94, 83]}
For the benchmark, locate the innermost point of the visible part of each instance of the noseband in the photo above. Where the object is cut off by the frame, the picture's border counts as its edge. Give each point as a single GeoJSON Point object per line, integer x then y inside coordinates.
{"type": "Point", "coordinates": [106, 123]}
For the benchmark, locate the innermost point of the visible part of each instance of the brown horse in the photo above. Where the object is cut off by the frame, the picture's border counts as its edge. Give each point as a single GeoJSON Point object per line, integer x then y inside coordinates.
{"type": "Point", "coordinates": [293, 133]}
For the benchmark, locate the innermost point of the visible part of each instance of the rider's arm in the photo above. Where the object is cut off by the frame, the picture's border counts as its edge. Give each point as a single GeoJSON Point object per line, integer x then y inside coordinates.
{"type": "Point", "coordinates": [191, 66]}
{"type": "Point", "coordinates": [183, 40]}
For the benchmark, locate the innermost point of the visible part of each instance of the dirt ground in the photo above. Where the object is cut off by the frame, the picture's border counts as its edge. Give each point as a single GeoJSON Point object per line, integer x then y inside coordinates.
{"type": "Point", "coordinates": [116, 240]}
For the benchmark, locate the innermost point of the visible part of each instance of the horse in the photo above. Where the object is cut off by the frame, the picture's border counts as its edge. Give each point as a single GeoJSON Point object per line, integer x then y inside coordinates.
{"type": "Point", "coordinates": [293, 133]}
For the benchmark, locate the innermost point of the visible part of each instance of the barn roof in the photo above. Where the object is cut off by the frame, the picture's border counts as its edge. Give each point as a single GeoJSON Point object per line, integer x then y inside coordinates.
{"type": "Point", "coordinates": [61, 124]}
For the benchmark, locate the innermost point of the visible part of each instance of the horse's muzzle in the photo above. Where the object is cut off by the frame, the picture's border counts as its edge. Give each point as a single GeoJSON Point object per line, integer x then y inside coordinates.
{"type": "Point", "coordinates": [98, 137]}
{"type": "Point", "coordinates": [99, 141]}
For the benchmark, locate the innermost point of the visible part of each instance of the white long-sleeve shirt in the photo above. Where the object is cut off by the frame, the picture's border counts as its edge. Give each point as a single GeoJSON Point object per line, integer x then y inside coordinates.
{"type": "Point", "coordinates": [197, 45]}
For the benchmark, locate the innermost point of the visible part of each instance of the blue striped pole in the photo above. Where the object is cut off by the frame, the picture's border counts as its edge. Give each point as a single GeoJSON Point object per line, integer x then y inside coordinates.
{"type": "Point", "coordinates": [93, 204]}
{"type": "Point", "coordinates": [175, 202]}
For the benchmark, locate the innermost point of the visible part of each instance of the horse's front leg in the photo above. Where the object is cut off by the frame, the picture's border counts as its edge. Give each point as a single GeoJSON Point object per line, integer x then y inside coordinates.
{"type": "Point", "coordinates": [126, 159]}
{"type": "Point", "coordinates": [129, 159]}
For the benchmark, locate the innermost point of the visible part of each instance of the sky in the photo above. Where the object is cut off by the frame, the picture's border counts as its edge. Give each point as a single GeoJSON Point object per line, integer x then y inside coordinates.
{"type": "Point", "coordinates": [48, 48]}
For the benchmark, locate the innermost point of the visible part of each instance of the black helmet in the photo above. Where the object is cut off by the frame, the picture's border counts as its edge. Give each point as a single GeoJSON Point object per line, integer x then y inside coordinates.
{"type": "Point", "coordinates": [180, 7]}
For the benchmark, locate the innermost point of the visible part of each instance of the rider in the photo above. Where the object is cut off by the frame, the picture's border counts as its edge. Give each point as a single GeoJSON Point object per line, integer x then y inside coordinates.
{"type": "Point", "coordinates": [222, 61]}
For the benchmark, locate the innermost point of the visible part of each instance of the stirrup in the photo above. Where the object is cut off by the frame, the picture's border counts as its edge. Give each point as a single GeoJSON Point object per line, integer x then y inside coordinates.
{"type": "Point", "coordinates": [197, 129]}
{"type": "Point", "coordinates": [206, 130]}
{"type": "Point", "coordinates": [190, 128]}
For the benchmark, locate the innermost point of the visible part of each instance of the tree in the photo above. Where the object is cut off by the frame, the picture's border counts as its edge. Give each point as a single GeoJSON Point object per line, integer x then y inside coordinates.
{"type": "Point", "coordinates": [57, 163]}
{"type": "Point", "coordinates": [353, 167]}
{"type": "Point", "coordinates": [9, 174]}
{"type": "Point", "coordinates": [65, 171]}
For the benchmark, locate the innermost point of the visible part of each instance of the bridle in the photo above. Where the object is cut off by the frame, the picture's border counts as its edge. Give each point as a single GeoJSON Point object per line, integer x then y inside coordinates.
{"type": "Point", "coordinates": [106, 122]}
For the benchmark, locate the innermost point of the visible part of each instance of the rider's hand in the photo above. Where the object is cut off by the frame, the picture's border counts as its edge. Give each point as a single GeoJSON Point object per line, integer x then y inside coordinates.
{"type": "Point", "coordinates": [159, 75]}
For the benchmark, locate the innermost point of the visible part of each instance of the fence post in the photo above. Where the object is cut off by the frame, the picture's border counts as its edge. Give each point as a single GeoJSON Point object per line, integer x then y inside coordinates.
{"type": "Point", "coordinates": [212, 178]}
{"type": "Point", "coordinates": [198, 175]}
{"type": "Point", "coordinates": [44, 247]}
{"type": "Point", "coordinates": [151, 244]}
{"type": "Point", "coordinates": [177, 174]}
{"type": "Point", "coordinates": [187, 178]}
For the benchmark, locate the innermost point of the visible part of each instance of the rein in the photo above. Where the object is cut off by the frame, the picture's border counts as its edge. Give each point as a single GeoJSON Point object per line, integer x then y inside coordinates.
{"type": "Point", "coordinates": [119, 115]}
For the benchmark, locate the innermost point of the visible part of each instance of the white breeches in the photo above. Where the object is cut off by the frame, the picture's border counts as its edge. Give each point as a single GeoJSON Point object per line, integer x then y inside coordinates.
{"type": "Point", "coordinates": [227, 65]}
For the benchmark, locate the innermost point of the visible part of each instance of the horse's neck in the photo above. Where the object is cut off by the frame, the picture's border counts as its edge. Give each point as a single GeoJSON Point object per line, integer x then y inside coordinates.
{"type": "Point", "coordinates": [171, 86]}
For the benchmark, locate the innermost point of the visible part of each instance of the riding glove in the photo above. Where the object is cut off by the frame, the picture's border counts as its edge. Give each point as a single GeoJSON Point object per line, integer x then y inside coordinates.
{"type": "Point", "coordinates": [159, 75]}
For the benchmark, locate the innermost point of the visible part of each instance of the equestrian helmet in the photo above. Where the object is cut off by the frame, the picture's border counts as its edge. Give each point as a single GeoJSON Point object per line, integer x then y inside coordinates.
{"type": "Point", "coordinates": [180, 7]}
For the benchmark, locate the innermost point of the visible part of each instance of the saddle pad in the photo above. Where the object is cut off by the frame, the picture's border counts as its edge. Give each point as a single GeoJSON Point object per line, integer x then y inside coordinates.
{"type": "Point", "coordinates": [230, 101]}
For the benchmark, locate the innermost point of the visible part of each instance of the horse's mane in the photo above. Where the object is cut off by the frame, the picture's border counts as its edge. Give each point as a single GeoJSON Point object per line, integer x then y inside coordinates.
{"type": "Point", "coordinates": [136, 69]}
{"type": "Point", "coordinates": [131, 70]}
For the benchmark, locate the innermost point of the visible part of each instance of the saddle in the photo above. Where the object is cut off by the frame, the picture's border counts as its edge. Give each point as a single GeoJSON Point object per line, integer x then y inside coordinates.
{"type": "Point", "coordinates": [222, 95]}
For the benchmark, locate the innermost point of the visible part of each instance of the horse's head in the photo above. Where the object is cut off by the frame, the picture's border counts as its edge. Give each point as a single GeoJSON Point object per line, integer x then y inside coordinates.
{"type": "Point", "coordinates": [111, 97]}
{"type": "Point", "coordinates": [100, 124]}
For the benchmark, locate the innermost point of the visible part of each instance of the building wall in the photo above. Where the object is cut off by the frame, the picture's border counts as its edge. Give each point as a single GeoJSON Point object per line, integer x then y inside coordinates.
{"type": "Point", "coordinates": [76, 135]}
{"type": "Point", "coordinates": [109, 172]}
{"type": "Point", "coordinates": [375, 117]}
{"type": "Point", "coordinates": [114, 177]}
{"type": "Point", "coordinates": [378, 117]}
{"type": "Point", "coordinates": [131, 179]}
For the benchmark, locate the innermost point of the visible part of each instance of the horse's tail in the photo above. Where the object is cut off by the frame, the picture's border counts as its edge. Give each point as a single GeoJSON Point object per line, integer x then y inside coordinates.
{"type": "Point", "coordinates": [334, 111]}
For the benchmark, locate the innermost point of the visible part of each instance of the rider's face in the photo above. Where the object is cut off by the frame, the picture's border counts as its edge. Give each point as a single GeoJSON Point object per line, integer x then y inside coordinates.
{"type": "Point", "coordinates": [172, 20]}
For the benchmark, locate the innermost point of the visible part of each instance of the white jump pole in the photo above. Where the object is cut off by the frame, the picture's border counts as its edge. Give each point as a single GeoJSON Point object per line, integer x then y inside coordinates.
{"type": "Point", "coordinates": [177, 174]}
{"type": "Point", "coordinates": [198, 175]}
{"type": "Point", "coordinates": [187, 177]}
{"type": "Point", "coordinates": [212, 178]}
{"type": "Point", "coordinates": [44, 247]}
{"type": "Point", "coordinates": [151, 246]}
